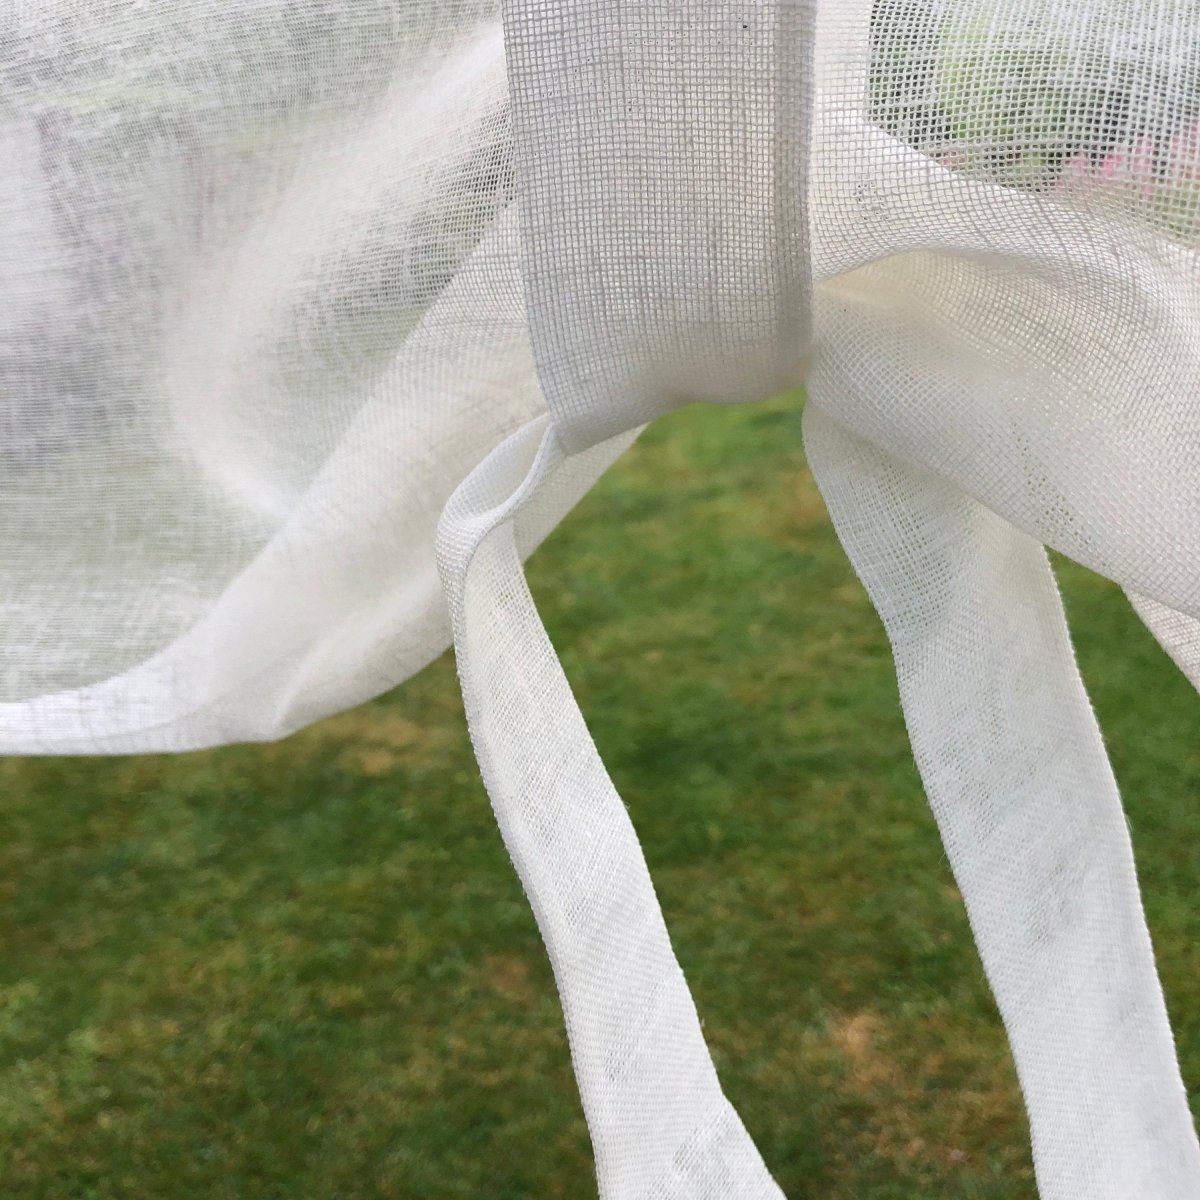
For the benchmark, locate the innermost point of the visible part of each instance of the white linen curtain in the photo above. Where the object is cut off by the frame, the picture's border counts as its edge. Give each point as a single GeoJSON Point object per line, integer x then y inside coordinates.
{"type": "Point", "coordinates": [304, 303]}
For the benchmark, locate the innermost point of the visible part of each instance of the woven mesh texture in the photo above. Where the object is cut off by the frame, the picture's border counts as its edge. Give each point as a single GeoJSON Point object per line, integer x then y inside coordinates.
{"type": "Point", "coordinates": [317, 315]}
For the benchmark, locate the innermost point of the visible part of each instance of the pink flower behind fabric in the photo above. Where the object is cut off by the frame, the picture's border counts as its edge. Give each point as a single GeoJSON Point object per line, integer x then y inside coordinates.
{"type": "Point", "coordinates": [1159, 188]}
{"type": "Point", "coordinates": [1126, 172]}
{"type": "Point", "coordinates": [1132, 169]}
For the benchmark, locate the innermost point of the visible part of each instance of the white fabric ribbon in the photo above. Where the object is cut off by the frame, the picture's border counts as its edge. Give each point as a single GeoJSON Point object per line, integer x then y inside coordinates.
{"type": "Point", "coordinates": [1017, 776]}
{"type": "Point", "coordinates": [660, 1125]}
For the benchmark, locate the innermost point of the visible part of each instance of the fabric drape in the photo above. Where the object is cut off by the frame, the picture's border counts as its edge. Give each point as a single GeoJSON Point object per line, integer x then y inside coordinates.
{"type": "Point", "coordinates": [318, 316]}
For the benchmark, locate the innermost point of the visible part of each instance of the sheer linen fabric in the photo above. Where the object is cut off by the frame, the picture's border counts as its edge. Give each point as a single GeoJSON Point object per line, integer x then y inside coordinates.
{"type": "Point", "coordinates": [318, 316]}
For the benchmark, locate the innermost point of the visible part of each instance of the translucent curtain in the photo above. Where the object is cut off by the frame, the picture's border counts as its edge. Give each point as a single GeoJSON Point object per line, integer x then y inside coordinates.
{"type": "Point", "coordinates": [307, 303]}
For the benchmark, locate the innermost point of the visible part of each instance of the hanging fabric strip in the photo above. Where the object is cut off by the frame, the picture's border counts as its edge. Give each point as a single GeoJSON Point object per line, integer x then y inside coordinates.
{"type": "Point", "coordinates": [661, 1127]}
{"type": "Point", "coordinates": [662, 156]}
{"type": "Point", "coordinates": [1177, 633]}
{"type": "Point", "coordinates": [1019, 782]}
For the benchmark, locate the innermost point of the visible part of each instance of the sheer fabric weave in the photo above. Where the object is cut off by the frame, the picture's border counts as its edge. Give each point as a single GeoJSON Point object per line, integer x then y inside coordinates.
{"type": "Point", "coordinates": [317, 315]}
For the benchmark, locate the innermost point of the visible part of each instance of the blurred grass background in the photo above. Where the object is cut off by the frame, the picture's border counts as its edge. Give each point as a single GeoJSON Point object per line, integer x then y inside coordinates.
{"type": "Point", "coordinates": [307, 969]}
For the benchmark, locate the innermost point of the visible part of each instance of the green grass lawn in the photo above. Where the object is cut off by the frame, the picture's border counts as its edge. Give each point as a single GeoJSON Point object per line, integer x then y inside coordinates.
{"type": "Point", "coordinates": [307, 970]}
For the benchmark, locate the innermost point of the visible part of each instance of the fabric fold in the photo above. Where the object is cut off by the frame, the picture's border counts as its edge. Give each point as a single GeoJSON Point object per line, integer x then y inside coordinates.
{"type": "Point", "coordinates": [660, 1124]}
{"type": "Point", "coordinates": [1177, 633]}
